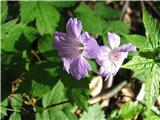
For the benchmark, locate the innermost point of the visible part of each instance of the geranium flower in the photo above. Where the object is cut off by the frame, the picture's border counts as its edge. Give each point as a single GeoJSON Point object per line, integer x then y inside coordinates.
{"type": "Point", "coordinates": [75, 47]}
{"type": "Point", "coordinates": [112, 56]}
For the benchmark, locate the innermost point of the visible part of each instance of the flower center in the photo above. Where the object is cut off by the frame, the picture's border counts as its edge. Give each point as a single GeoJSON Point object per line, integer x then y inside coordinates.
{"type": "Point", "coordinates": [81, 48]}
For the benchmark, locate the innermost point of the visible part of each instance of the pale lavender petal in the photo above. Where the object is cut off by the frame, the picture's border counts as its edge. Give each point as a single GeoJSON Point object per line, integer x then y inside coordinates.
{"type": "Point", "coordinates": [74, 28]}
{"type": "Point", "coordinates": [91, 47]}
{"type": "Point", "coordinates": [58, 38]}
{"type": "Point", "coordinates": [67, 63]}
{"type": "Point", "coordinates": [113, 40]}
{"type": "Point", "coordinates": [128, 47]}
{"type": "Point", "coordinates": [79, 67]}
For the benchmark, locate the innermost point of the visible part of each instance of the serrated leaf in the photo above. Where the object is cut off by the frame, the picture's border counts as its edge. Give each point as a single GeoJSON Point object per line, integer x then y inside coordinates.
{"type": "Point", "coordinates": [88, 18]}
{"type": "Point", "coordinates": [3, 106]}
{"type": "Point", "coordinates": [46, 22]}
{"type": "Point", "coordinates": [15, 116]}
{"type": "Point", "coordinates": [152, 27]}
{"type": "Point", "coordinates": [16, 101]}
{"type": "Point", "coordinates": [139, 63]}
{"type": "Point", "coordinates": [129, 111]}
{"type": "Point", "coordinates": [94, 113]}
{"type": "Point", "coordinates": [139, 41]}
{"type": "Point", "coordinates": [56, 95]}
{"type": "Point", "coordinates": [152, 86]}
{"type": "Point", "coordinates": [28, 11]}
{"type": "Point", "coordinates": [4, 11]}
{"type": "Point", "coordinates": [11, 33]}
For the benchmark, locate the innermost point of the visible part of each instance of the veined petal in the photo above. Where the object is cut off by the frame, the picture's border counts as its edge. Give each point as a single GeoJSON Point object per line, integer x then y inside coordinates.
{"type": "Point", "coordinates": [67, 63]}
{"type": "Point", "coordinates": [74, 28]}
{"type": "Point", "coordinates": [79, 67]}
{"type": "Point", "coordinates": [58, 38]}
{"type": "Point", "coordinates": [127, 47]}
{"type": "Point", "coordinates": [113, 40]}
{"type": "Point", "coordinates": [91, 47]}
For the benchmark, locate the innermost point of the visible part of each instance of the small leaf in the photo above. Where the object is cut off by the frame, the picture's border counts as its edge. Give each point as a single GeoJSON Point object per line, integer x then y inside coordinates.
{"type": "Point", "coordinates": [139, 63]}
{"type": "Point", "coordinates": [129, 110]}
{"type": "Point", "coordinates": [152, 27]}
{"type": "Point", "coordinates": [94, 113]}
{"type": "Point", "coordinates": [56, 95]}
{"type": "Point", "coordinates": [152, 86]}
{"type": "Point", "coordinates": [139, 41]}
{"type": "Point", "coordinates": [4, 11]}
{"type": "Point", "coordinates": [88, 18]}
{"type": "Point", "coordinates": [15, 116]}
{"type": "Point", "coordinates": [46, 22]}
{"type": "Point", "coordinates": [16, 101]}
{"type": "Point", "coordinates": [3, 110]}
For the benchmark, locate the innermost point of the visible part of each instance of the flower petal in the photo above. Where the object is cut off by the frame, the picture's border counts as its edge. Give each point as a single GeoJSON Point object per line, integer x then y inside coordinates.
{"type": "Point", "coordinates": [67, 63]}
{"type": "Point", "coordinates": [113, 40]}
{"type": "Point", "coordinates": [128, 47]}
{"type": "Point", "coordinates": [79, 67]}
{"type": "Point", "coordinates": [58, 38]}
{"type": "Point", "coordinates": [74, 27]}
{"type": "Point", "coordinates": [91, 47]}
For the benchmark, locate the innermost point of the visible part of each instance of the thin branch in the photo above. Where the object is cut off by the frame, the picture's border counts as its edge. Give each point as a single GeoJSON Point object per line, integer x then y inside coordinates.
{"type": "Point", "coordinates": [124, 10]}
{"type": "Point", "coordinates": [108, 94]}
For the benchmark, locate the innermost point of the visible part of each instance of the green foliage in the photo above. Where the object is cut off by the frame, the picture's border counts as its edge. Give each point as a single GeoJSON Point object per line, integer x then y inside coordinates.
{"type": "Point", "coordinates": [56, 95]}
{"type": "Point", "coordinates": [4, 11]}
{"type": "Point", "coordinates": [28, 55]}
{"type": "Point", "coordinates": [46, 22]}
{"type": "Point", "coordinates": [129, 110]}
{"type": "Point", "coordinates": [94, 113]}
{"type": "Point", "coordinates": [16, 101]}
{"type": "Point", "coordinates": [88, 18]}
{"type": "Point", "coordinates": [3, 110]}
{"type": "Point", "coordinates": [147, 62]}
{"type": "Point", "coordinates": [15, 116]}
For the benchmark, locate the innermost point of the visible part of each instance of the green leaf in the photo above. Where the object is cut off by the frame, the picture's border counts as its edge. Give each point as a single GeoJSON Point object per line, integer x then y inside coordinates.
{"type": "Point", "coordinates": [15, 116]}
{"type": "Point", "coordinates": [151, 116]}
{"type": "Point", "coordinates": [152, 86]}
{"type": "Point", "coordinates": [94, 113]}
{"type": "Point", "coordinates": [56, 95]}
{"type": "Point", "coordinates": [45, 46]}
{"type": "Point", "coordinates": [129, 111]}
{"type": "Point", "coordinates": [152, 27]}
{"type": "Point", "coordinates": [88, 17]}
{"type": "Point", "coordinates": [16, 101]}
{"type": "Point", "coordinates": [80, 96]}
{"type": "Point", "coordinates": [11, 33]}
{"type": "Point", "coordinates": [46, 22]}
{"type": "Point", "coordinates": [116, 26]}
{"type": "Point", "coordinates": [4, 11]}
{"type": "Point", "coordinates": [104, 11]}
{"type": "Point", "coordinates": [64, 4]}
{"type": "Point", "coordinates": [139, 63]}
{"type": "Point", "coordinates": [3, 110]}
{"type": "Point", "coordinates": [40, 78]}
{"type": "Point", "coordinates": [139, 41]}
{"type": "Point", "coordinates": [28, 11]}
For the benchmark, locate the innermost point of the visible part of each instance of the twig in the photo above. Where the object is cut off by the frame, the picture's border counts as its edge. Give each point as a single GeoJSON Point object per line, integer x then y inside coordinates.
{"type": "Point", "coordinates": [154, 9]}
{"type": "Point", "coordinates": [107, 95]}
{"type": "Point", "coordinates": [124, 10]}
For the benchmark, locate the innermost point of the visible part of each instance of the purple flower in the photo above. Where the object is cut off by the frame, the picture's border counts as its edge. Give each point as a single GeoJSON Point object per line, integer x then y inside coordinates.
{"type": "Point", "coordinates": [74, 47]}
{"type": "Point", "coordinates": [112, 56]}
